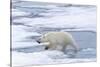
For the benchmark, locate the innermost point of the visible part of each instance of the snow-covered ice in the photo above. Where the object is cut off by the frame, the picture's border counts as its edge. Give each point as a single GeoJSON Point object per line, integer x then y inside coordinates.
{"type": "Point", "coordinates": [44, 57]}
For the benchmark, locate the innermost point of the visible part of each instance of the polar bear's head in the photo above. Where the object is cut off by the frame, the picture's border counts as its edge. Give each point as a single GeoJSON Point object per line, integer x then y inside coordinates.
{"type": "Point", "coordinates": [44, 41]}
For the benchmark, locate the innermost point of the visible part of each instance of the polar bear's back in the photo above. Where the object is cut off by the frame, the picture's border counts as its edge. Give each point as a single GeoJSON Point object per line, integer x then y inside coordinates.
{"type": "Point", "coordinates": [60, 37]}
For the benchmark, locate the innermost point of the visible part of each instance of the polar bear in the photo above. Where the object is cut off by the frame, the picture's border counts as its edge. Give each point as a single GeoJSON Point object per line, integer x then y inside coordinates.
{"type": "Point", "coordinates": [58, 41]}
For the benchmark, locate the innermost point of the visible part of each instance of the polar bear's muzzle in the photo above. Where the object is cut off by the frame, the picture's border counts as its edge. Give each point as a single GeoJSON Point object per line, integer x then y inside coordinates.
{"type": "Point", "coordinates": [38, 40]}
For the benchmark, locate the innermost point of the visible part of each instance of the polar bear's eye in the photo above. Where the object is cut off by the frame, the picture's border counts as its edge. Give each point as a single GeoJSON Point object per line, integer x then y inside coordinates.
{"type": "Point", "coordinates": [43, 36]}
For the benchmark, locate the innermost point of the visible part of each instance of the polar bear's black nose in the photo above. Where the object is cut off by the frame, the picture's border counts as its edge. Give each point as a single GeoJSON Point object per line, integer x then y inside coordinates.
{"type": "Point", "coordinates": [38, 41]}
